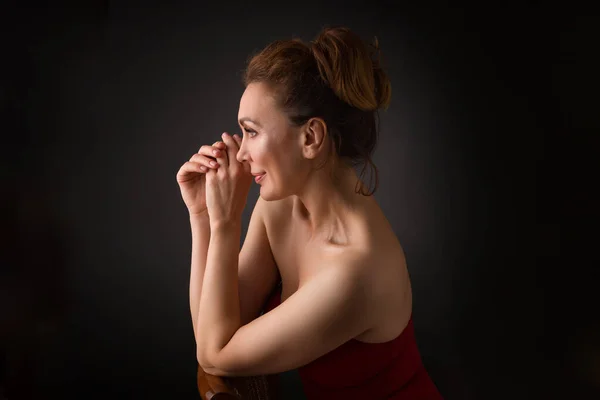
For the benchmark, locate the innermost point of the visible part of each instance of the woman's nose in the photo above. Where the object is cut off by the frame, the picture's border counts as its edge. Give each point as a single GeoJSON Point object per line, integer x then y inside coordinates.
{"type": "Point", "coordinates": [241, 154]}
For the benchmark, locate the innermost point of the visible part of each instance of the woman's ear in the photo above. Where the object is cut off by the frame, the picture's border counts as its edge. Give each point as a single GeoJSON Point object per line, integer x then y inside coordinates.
{"type": "Point", "coordinates": [315, 137]}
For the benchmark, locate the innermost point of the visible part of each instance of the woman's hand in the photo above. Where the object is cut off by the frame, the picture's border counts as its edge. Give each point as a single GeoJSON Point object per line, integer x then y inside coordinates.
{"type": "Point", "coordinates": [191, 177]}
{"type": "Point", "coordinates": [227, 187]}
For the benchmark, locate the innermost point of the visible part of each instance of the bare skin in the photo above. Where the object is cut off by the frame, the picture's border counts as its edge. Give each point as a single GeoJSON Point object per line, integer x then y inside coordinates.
{"type": "Point", "coordinates": [343, 270]}
{"type": "Point", "coordinates": [312, 222]}
{"type": "Point", "coordinates": [299, 258]}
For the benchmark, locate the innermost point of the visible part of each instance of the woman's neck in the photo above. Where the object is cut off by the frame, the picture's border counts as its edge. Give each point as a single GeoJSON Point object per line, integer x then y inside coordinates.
{"type": "Point", "coordinates": [324, 206]}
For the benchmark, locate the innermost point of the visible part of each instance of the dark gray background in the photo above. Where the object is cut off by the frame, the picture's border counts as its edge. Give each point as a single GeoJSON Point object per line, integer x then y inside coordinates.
{"type": "Point", "coordinates": [102, 105]}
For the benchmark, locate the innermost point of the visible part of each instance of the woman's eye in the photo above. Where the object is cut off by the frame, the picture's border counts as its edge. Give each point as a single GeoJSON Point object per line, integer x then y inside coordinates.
{"type": "Point", "coordinates": [250, 132]}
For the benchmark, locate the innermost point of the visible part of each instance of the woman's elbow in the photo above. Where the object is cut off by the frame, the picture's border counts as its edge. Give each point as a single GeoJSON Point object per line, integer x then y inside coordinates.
{"type": "Point", "coordinates": [201, 357]}
{"type": "Point", "coordinates": [204, 360]}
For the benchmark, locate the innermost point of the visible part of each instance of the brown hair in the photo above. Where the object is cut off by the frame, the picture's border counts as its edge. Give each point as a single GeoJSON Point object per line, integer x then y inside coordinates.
{"type": "Point", "coordinates": [336, 77]}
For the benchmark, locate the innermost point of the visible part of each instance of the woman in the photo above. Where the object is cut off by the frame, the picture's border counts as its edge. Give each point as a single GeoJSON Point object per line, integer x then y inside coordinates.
{"type": "Point", "coordinates": [342, 315]}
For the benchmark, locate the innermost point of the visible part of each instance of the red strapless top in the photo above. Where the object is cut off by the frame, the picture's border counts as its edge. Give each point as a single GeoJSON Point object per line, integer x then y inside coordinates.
{"type": "Point", "coordinates": [359, 370]}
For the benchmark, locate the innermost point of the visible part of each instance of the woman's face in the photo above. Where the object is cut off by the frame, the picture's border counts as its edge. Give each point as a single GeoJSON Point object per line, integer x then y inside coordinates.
{"type": "Point", "coordinates": [270, 145]}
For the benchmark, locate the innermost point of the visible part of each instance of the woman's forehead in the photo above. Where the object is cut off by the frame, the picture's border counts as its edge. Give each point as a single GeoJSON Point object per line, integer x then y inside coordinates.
{"type": "Point", "coordinates": [257, 104]}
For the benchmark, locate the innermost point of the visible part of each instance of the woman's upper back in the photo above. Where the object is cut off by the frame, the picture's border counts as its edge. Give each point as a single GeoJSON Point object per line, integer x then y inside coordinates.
{"type": "Point", "coordinates": [299, 258]}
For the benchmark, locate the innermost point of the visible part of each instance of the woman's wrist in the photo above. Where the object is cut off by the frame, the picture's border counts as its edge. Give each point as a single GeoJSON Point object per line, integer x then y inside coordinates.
{"type": "Point", "coordinates": [201, 217]}
{"type": "Point", "coordinates": [226, 225]}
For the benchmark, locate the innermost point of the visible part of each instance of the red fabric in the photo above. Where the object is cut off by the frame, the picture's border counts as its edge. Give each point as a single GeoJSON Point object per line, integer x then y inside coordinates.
{"type": "Point", "coordinates": [358, 370]}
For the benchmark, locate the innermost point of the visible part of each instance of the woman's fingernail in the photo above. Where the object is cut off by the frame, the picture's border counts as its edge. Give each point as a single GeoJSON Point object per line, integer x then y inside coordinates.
{"type": "Point", "coordinates": [213, 163]}
{"type": "Point", "coordinates": [216, 152]}
{"type": "Point", "coordinates": [224, 135]}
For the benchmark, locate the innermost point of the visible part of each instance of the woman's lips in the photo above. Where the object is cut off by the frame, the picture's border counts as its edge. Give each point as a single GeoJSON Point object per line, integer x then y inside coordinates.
{"type": "Point", "coordinates": [258, 178]}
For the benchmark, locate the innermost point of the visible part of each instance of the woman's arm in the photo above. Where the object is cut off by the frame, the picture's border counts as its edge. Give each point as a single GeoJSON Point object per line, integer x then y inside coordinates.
{"type": "Point", "coordinates": [329, 309]}
{"type": "Point", "coordinates": [200, 239]}
{"type": "Point", "coordinates": [219, 308]}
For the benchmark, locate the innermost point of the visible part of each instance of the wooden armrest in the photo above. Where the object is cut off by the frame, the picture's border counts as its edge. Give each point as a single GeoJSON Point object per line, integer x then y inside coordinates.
{"type": "Point", "coordinates": [212, 387]}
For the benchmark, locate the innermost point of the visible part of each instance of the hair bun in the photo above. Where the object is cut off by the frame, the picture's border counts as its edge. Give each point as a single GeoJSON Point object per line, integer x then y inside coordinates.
{"type": "Point", "coordinates": [352, 69]}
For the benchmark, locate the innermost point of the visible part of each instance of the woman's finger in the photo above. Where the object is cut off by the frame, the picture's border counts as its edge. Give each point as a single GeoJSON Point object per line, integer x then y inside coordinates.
{"type": "Point", "coordinates": [204, 160]}
{"type": "Point", "coordinates": [221, 154]}
{"type": "Point", "coordinates": [189, 170]}
{"type": "Point", "coordinates": [218, 144]}
{"type": "Point", "coordinates": [213, 152]}
{"type": "Point", "coordinates": [238, 140]}
{"type": "Point", "coordinates": [232, 146]}
{"type": "Point", "coordinates": [207, 149]}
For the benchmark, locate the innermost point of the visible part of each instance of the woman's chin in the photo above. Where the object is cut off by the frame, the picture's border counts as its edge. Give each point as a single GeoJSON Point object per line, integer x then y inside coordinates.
{"type": "Point", "coordinates": [265, 194]}
{"type": "Point", "coordinates": [268, 195]}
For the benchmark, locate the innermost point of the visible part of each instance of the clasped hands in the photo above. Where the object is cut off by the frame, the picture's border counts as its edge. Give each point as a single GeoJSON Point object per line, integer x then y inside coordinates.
{"type": "Point", "coordinates": [227, 186]}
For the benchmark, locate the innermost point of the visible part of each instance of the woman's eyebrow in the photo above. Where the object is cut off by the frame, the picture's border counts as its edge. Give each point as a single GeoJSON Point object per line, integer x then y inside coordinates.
{"type": "Point", "coordinates": [244, 119]}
